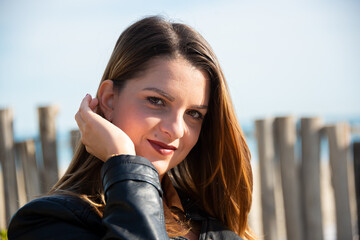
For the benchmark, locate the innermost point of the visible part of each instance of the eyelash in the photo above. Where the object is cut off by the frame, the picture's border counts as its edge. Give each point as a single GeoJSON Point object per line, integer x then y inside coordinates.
{"type": "Point", "coordinates": [200, 117]}
{"type": "Point", "coordinates": [154, 101]}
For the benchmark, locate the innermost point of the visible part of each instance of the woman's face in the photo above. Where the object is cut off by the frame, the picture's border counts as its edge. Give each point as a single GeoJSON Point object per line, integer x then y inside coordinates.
{"type": "Point", "coordinates": [162, 111]}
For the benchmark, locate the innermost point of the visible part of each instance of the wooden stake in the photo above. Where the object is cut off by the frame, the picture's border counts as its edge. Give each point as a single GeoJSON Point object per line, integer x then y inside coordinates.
{"type": "Point", "coordinates": [286, 139]}
{"type": "Point", "coordinates": [264, 135]}
{"type": "Point", "coordinates": [48, 143]}
{"type": "Point", "coordinates": [356, 150]}
{"type": "Point", "coordinates": [310, 177]}
{"type": "Point", "coordinates": [8, 166]}
{"type": "Point", "coordinates": [26, 154]}
{"type": "Point", "coordinates": [339, 147]}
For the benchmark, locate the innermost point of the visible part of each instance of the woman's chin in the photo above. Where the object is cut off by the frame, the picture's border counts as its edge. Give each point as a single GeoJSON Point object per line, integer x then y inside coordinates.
{"type": "Point", "coordinates": [160, 165]}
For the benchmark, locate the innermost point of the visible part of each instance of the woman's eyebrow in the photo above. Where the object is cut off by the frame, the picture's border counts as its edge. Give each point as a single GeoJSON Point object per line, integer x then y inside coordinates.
{"type": "Point", "coordinates": [200, 106]}
{"type": "Point", "coordinates": [170, 98]}
{"type": "Point", "coordinates": [161, 92]}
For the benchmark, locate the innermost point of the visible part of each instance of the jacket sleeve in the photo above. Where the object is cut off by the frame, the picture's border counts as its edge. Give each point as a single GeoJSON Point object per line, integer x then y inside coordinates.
{"type": "Point", "coordinates": [133, 208]}
{"type": "Point", "coordinates": [133, 195]}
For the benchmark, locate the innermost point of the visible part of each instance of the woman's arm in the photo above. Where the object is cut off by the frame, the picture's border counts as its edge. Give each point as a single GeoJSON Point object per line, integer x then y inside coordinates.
{"type": "Point", "coordinates": [134, 208]}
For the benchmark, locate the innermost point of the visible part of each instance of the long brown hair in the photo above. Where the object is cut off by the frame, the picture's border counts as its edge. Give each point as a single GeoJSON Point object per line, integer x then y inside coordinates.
{"type": "Point", "coordinates": [217, 172]}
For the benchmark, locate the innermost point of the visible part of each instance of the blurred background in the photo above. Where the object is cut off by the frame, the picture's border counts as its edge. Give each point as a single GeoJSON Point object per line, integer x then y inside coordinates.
{"type": "Point", "coordinates": [280, 58]}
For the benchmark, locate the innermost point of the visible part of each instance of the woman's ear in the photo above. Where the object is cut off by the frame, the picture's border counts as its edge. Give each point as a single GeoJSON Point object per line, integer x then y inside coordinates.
{"type": "Point", "coordinates": [106, 99]}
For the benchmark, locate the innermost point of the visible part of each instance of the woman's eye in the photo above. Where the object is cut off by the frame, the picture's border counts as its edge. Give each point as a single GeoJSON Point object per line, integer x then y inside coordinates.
{"type": "Point", "coordinates": [155, 101]}
{"type": "Point", "coordinates": [195, 114]}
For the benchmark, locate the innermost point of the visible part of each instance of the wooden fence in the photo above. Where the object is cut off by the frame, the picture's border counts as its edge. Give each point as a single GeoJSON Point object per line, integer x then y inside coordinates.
{"type": "Point", "coordinates": [300, 177]}
{"type": "Point", "coordinates": [25, 175]}
{"type": "Point", "coordinates": [290, 179]}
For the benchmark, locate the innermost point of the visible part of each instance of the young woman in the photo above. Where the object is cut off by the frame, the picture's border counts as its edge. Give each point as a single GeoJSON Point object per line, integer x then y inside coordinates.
{"type": "Point", "coordinates": [162, 153]}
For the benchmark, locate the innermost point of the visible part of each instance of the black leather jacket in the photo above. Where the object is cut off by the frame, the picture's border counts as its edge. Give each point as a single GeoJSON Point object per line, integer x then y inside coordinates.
{"type": "Point", "coordinates": [138, 214]}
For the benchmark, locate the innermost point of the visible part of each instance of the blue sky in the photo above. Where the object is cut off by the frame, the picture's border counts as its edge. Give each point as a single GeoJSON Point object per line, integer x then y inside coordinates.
{"type": "Point", "coordinates": [279, 57]}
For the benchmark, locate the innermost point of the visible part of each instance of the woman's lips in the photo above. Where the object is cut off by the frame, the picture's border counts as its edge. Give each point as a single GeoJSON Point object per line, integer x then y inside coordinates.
{"type": "Point", "coordinates": [162, 148]}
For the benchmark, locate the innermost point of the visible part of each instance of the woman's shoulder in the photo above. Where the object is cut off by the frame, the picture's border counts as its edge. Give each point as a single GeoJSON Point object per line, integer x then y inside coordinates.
{"type": "Point", "coordinates": [53, 204]}
{"type": "Point", "coordinates": [55, 211]}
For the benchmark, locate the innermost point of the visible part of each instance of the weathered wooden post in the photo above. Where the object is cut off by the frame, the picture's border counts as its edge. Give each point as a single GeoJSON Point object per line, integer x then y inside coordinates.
{"type": "Point", "coordinates": [310, 177]}
{"type": "Point", "coordinates": [356, 151]}
{"type": "Point", "coordinates": [286, 139]}
{"type": "Point", "coordinates": [75, 138]}
{"type": "Point", "coordinates": [265, 142]}
{"type": "Point", "coordinates": [2, 203]}
{"type": "Point", "coordinates": [339, 147]}
{"type": "Point", "coordinates": [8, 166]}
{"type": "Point", "coordinates": [26, 154]}
{"type": "Point", "coordinates": [48, 143]}
{"type": "Point", "coordinates": [20, 180]}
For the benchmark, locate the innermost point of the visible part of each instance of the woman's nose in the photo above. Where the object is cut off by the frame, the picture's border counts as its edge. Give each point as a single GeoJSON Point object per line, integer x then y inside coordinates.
{"type": "Point", "coordinates": [173, 126]}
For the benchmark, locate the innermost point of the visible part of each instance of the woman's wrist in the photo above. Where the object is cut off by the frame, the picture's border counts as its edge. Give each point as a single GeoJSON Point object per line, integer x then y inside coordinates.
{"type": "Point", "coordinates": [129, 151]}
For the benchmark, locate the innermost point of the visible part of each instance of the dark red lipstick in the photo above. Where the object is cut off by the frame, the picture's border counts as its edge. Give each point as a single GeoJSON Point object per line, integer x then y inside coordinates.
{"type": "Point", "coordinates": [162, 148]}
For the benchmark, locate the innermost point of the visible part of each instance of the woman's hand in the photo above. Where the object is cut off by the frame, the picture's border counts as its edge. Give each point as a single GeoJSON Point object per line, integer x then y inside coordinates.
{"type": "Point", "coordinates": [100, 137]}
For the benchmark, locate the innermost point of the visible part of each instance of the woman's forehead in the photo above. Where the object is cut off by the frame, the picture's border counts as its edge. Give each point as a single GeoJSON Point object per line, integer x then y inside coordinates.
{"type": "Point", "coordinates": [174, 76]}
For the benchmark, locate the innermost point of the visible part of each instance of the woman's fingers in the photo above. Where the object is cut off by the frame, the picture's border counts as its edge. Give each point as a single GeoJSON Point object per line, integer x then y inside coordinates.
{"type": "Point", "coordinates": [82, 117]}
{"type": "Point", "coordinates": [82, 109]}
{"type": "Point", "coordinates": [84, 106]}
{"type": "Point", "coordinates": [86, 110]}
{"type": "Point", "coordinates": [79, 120]}
{"type": "Point", "coordinates": [93, 103]}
